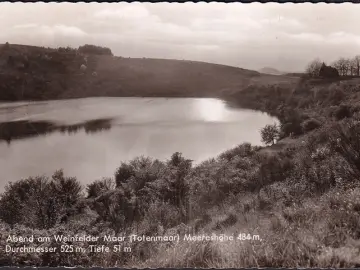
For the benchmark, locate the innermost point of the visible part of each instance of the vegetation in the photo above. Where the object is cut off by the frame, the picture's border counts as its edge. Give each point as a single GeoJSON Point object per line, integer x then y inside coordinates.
{"type": "Point", "coordinates": [284, 196]}
{"type": "Point", "coordinates": [97, 50]}
{"type": "Point", "coordinates": [269, 134]}
{"type": "Point", "coordinates": [343, 66]}
{"type": "Point", "coordinates": [302, 200]}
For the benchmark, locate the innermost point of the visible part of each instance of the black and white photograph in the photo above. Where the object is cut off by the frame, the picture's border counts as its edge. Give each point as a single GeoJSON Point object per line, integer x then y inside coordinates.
{"type": "Point", "coordinates": [202, 135]}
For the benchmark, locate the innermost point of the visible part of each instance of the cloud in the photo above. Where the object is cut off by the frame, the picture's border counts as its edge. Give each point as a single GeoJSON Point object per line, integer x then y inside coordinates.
{"type": "Point", "coordinates": [45, 35]}
{"type": "Point", "coordinates": [282, 24]}
{"type": "Point", "coordinates": [65, 30]}
{"type": "Point", "coordinates": [332, 38]}
{"type": "Point", "coordinates": [343, 37]}
{"type": "Point", "coordinates": [308, 37]}
{"type": "Point", "coordinates": [229, 24]}
{"type": "Point", "coordinates": [59, 29]}
{"type": "Point", "coordinates": [207, 47]}
{"type": "Point", "coordinates": [135, 12]}
{"type": "Point", "coordinates": [25, 26]}
{"type": "Point", "coordinates": [257, 34]}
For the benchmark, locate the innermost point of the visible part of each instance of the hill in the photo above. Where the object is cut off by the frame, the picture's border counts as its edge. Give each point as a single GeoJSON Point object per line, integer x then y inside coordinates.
{"type": "Point", "coordinates": [295, 74]}
{"type": "Point", "coordinates": [270, 71]}
{"type": "Point", "coordinates": [37, 73]}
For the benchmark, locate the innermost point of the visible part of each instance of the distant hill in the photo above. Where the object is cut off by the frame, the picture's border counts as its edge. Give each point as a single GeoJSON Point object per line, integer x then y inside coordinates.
{"type": "Point", "coordinates": [295, 74]}
{"type": "Point", "coordinates": [271, 71]}
{"type": "Point", "coordinates": [37, 73]}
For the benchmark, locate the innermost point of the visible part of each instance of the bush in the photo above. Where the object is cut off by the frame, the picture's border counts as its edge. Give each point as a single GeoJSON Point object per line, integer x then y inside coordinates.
{"type": "Point", "coordinates": [342, 111]}
{"type": "Point", "coordinates": [291, 123]}
{"type": "Point", "coordinates": [119, 207]}
{"type": "Point", "coordinates": [99, 187]}
{"type": "Point", "coordinates": [242, 150]}
{"type": "Point", "coordinates": [39, 202]}
{"type": "Point", "coordinates": [345, 140]}
{"type": "Point", "coordinates": [177, 160]}
{"type": "Point", "coordinates": [14, 202]}
{"type": "Point", "coordinates": [310, 125]}
{"type": "Point", "coordinates": [123, 173]}
{"type": "Point", "coordinates": [67, 50]}
{"type": "Point", "coordinates": [336, 96]}
{"type": "Point", "coordinates": [269, 134]}
{"type": "Point", "coordinates": [92, 49]}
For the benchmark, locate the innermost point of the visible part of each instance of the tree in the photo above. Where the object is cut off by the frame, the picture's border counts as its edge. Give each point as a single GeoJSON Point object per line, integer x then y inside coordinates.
{"type": "Point", "coordinates": [328, 71]}
{"type": "Point", "coordinates": [269, 134]}
{"type": "Point", "coordinates": [342, 65]}
{"type": "Point", "coordinates": [348, 67]}
{"type": "Point", "coordinates": [123, 173]}
{"type": "Point", "coordinates": [313, 68]}
{"type": "Point", "coordinates": [356, 65]}
{"type": "Point", "coordinates": [95, 50]}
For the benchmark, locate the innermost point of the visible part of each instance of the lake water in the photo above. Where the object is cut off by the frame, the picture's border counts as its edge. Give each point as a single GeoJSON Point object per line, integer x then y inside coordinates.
{"type": "Point", "coordinates": [89, 138]}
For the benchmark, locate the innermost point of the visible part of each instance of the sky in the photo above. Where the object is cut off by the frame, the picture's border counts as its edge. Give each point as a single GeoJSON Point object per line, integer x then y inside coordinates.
{"type": "Point", "coordinates": [283, 36]}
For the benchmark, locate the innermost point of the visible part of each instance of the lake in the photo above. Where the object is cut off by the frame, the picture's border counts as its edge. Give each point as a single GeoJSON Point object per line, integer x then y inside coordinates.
{"type": "Point", "coordinates": [90, 137]}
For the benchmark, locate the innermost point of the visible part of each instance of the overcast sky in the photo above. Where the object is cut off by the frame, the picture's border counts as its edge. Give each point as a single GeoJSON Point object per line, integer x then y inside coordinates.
{"type": "Point", "coordinates": [283, 36]}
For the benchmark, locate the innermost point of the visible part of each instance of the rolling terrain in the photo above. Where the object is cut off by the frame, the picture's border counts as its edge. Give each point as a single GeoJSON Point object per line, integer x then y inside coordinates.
{"type": "Point", "coordinates": [270, 71]}
{"type": "Point", "coordinates": [54, 74]}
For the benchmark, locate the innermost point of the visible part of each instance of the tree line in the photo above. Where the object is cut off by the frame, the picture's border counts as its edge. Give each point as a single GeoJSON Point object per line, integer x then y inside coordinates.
{"type": "Point", "coordinates": [343, 66]}
{"type": "Point", "coordinates": [92, 49]}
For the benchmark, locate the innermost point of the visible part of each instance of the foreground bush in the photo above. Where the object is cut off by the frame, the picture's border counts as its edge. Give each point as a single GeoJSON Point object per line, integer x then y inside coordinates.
{"type": "Point", "coordinates": [310, 125]}
{"type": "Point", "coordinates": [40, 202]}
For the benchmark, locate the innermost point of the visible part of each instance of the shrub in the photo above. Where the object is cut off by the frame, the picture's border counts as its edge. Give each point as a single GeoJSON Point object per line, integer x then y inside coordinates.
{"type": "Point", "coordinates": [345, 140]}
{"type": "Point", "coordinates": [342, 111]}
{"type": "Point", "coordinates": [119, 207]}
{"type": "Point", "coordinates": [165, 214]}
{"type": "Point", "coordinates": [269, 134]}
{"type": "Point", "coordinates": [336, 96]}
{"type": "Point", "coordinates": [291, 122]}
{"type": "Point", "coordinates": [14, 202]}
{"type": "Point", "coordinates": [271, 168]}
{"type": "Point", "coordinates": [177, 159]}
{"type": "Point", "coordinates": [39, 202]}
{"type": "Point", "coordinates": [123, 173]}
{"type": "Point", "coordinates": [97, 50]}
{"type": "Point", "coordinates": [66, 191]}
{"type": "Point", "coordinates": [242, 150]}
{"type": "Point", "coordinates": [310, 125]}
{"type": "Point", "coordinates": [98, 187]}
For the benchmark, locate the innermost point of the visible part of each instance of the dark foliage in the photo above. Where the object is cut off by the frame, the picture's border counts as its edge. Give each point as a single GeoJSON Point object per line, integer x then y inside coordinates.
{"type": "Point", "coordinates": [342, 111]}
{"type": "Point", "coordinates": [310, 125]}
{"type": "Point", "coordinates": [328, 72]}
{"type": "Point", "coordinates": [96, 50]}
{"type": "Point", "coordinates": [99, 187]}
{"type": "Point", "coordinates": [269, 134]}
{"type": "Point", "coordinates": [40, 202]}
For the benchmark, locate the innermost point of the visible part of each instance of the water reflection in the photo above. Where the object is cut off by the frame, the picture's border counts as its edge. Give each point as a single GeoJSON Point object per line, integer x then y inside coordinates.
{"type": "Point", "coordinates": [15, 130]}
{"type": "Point", "coordinates": [211, 110]}
{"type": "Point", "coordinates": [156, 127]}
